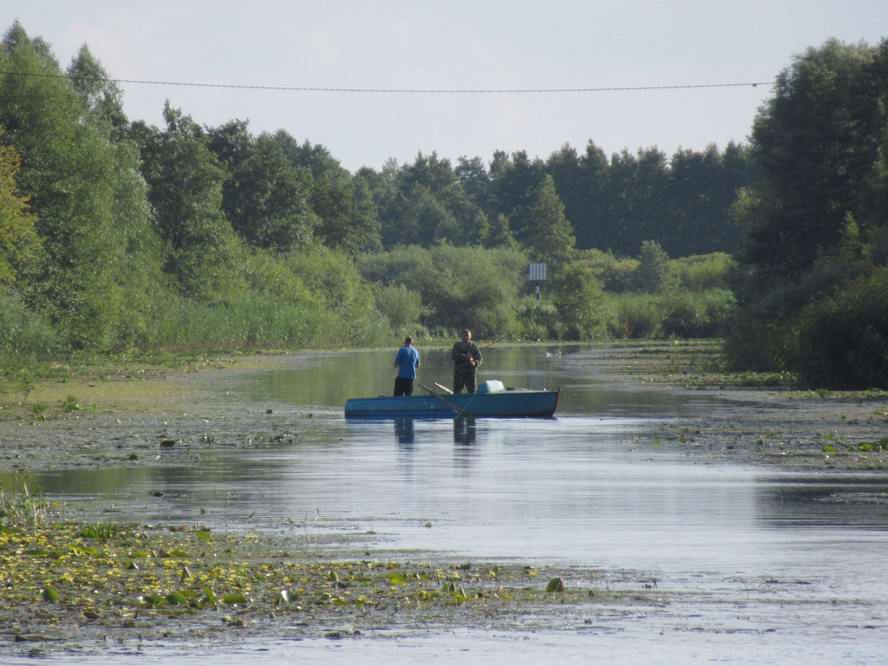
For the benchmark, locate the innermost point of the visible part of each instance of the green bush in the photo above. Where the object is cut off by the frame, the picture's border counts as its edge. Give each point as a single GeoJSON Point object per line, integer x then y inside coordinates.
{"type": "Point", "coordinates": [538, 320]}
{"type": "Point", "coordinates": [615, 275]}
{"type": "Point", "coordinates": [654, 272]}
{"type": "Point", "coordinates": [696, 315]}
{"type": "Point", "coordinates": [635, 316]}
{"type": "Point", "coordinates": [703, 271]}
{"type": "Point", "coordinates": [395, 266]}
{"type": "Point", "coordinates": [399, 305]}
{"type": "Point", "coordinates": [24, 332]}
{"type": "Point", "coordinates": [843, 340]}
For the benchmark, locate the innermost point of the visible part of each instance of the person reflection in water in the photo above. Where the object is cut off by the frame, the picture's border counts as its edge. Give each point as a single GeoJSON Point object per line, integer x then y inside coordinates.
{"type": "Point", "coordinates": [406, 361]}
{"type": "Point", "coordinates": [464, 430]}
{"type": "Point", "coordinates": [404, 431]}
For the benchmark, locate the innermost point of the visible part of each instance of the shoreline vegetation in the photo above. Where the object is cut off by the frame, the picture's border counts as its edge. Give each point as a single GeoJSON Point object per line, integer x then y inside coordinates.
{"type": "Point", "coordinates": [120, 235]}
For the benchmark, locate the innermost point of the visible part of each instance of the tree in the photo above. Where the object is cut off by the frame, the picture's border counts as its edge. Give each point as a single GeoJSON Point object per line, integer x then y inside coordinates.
{"type": "Point", "coordinates": [19, 242]}
{"type": "Point", "coordinates": [500, 234]}
{"type": "Point", "coordinates": [578, 301]}
{"type": "Point", "coordinates": [589, 210]}
{"type": "Point", "coordinates": [68, 171]}
{"type": "Point", "coordinates": [814, 220]}
{"type": "Point", "coordinates": [345, 214]}
{"type": "Point", "coordinates": [475, 181]}
{"type": "Point", "coordinates": [515, 181]}
{"type": "Point", "coordinates": [549, 236]}
{"type": "Point", "coordinates": [815, 144]}
{"type": "Point", "coordinates": [101, 97]}
{"type": "Point", "coordinates": [185, 181]}
{"type": "Point", "coordinates": [653, 273]}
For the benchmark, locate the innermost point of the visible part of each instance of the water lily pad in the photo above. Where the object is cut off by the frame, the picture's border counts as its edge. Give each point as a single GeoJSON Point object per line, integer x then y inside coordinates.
{"type": "Point", "coordinates": [176, 599]}
{"type": "Point", "coordinates": [234, 598]}
{"type": "Point", "coordinates": [555, 585]}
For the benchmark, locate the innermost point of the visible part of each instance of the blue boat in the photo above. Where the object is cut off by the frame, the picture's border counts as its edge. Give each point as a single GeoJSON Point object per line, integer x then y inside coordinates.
{"type": "Point", "coordinates": [498, 402]}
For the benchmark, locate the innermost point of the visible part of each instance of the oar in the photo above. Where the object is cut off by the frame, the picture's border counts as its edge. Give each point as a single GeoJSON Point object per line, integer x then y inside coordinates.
{"type": "Point", "coordinates": [459, 410]}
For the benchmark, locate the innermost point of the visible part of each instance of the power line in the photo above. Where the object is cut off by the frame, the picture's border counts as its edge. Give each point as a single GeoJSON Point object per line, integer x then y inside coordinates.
{"type": "Point", "coordinates": [412, 91]}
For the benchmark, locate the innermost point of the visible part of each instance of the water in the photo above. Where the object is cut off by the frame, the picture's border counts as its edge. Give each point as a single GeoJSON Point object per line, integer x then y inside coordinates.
{"type": "Point", "coordinates": [592, 487]}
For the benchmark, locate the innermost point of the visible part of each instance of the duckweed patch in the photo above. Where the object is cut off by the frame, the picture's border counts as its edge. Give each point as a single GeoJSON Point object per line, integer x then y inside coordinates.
{"type": "Point", "coordinates": [59, 577]}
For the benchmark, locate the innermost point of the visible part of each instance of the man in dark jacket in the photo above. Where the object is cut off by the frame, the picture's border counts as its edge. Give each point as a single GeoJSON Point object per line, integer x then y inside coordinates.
{"type": "Point", "coordinates": [466, 359]}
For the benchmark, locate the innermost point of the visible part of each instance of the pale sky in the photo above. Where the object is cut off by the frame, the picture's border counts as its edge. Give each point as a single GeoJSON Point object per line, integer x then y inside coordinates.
{"type": "Point", "coordinates": [454, 44]}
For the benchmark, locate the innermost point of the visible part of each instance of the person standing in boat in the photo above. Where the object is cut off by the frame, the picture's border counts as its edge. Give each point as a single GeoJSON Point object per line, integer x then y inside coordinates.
{"type": "Point", "coordinates": [466, 359]}
{"type": "Point", "coordinates": [406, 361]}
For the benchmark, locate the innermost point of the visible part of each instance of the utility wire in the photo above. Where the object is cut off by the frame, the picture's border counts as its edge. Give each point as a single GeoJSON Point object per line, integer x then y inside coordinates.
{"type": "Point", "coordinates": [409, 91]}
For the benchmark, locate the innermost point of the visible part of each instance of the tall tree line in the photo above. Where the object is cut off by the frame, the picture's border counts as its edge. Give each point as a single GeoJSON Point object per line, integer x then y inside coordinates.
{"type": "Point", "coordinates": [109, 226]}
{"type": "Point", "coordinates": [813, 287]}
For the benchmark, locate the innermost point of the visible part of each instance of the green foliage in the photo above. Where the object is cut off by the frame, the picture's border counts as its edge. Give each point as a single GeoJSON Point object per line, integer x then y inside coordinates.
{"type": "Point", "coordinates": [396, 265]}
{"type": "Point", "coordinates": [399, 305]}
{"type": "Point", "coordinates": [695, 315]}
{"type": "Point", "coordinates": [471, 288]}
{"type": "Point", "coordinates": [459, 287]}
{"type": "Point", "coordinates": [816, 223]}
{"type": "Point", "coordinates": [653, 274]}
{"type": "Point", "coordinates": [19, 243]}
{"type": "Point", "coordinates": [703, 271]}
{"type": "Point", "coordinates": [579, 301]}
{"type": "Point", "coordinates": [815, 144]}
{"type": "Point", "coordinates": [24, 333]}
{"type": "Point", "coordinates": [102, 99]}
{"type": "Point", "coordinates": [843, 340]}
{"type": "Point", "coordinates": [118, 235]}
{"type": "Point", "coordinates": [265, 197]}
{"type": "Point", "coordinates": [635, 316]}
{"type": "Point", "coordinates": [185, 189]}
{"type": "Point", "coordinates": [616, 275]}
{"type": "Point", "coordinates": [548, 234]}
{"type": "Point", "coordinates": [539, 320]}
{"type": "Point", "coordinates": [68, 171]}
{"type": "Point", "coordinates": [24, 510]}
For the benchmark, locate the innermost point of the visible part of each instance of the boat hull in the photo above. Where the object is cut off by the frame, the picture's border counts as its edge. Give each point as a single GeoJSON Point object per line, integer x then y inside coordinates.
{"type": "Point", "coordinates": [506, 404]}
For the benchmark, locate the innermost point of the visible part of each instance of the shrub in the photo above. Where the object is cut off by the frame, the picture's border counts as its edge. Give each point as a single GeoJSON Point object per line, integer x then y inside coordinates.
{"type": "Point", "coordinates": [615, 275]}
{"type": "Point", "coordinates": [400, 306]}
{"type": "Point", "coordinates": [653, 274]}
{"type": "Point", "coordinates": [699, 315]}
{"type": "Point", "coordinates": [703, 271]}
{"type": "Point", "coordinates": [635, 316]}
{"type": "Point", "coordinates": [538, 320]}
{"type": "Point", "coordinates": [24, 332]}
{"type": "Point", "coordinates": [843, 340]}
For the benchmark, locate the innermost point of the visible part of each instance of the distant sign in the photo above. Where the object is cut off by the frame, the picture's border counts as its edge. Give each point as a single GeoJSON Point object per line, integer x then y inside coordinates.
{"type": "Point", "coordinates": [537, 272]}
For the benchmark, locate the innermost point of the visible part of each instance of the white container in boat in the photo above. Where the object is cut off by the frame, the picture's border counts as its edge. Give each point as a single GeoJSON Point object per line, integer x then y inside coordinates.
{"type": "Point", "coordinates": [491, 386]}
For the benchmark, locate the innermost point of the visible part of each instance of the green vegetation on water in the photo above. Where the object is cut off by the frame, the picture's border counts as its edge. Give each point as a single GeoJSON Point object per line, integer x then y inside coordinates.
{"type": "Point", "coordinates": [60, 575]}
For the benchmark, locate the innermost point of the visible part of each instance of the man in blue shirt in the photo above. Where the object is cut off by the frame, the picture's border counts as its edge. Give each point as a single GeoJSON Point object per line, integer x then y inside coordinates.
{"type": "Point", "coordinates": [406, 361]}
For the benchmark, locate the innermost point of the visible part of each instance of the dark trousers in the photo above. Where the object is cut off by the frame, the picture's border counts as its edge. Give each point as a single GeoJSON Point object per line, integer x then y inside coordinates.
{"type": "Point", "coordinates": [403, 386]}
{"type": "Point", "coordinates": [464, 378]}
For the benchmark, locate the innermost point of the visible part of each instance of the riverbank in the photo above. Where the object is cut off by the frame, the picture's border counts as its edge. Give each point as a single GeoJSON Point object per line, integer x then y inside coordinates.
{"type": "Point", "coordinates": [764, 423]}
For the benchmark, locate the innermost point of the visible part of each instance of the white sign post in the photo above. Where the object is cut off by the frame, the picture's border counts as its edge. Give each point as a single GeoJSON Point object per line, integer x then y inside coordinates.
{"type": "Point", "coordinates": [536, 274]}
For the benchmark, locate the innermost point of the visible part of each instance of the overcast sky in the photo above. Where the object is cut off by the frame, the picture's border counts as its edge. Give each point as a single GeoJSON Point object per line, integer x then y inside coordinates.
{"type": "Point", "coordinates": [455, 44]}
